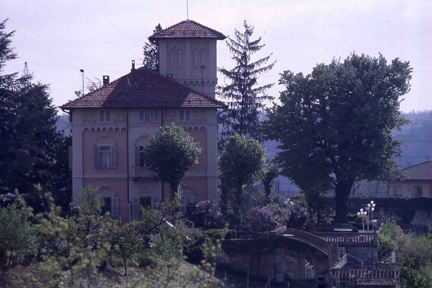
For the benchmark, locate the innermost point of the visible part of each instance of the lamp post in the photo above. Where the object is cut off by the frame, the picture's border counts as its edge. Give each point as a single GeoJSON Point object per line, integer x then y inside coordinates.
{"type": "Point", "coordinates": [370, 208]}
{"type": "Point", "coordinates": [362, 214]}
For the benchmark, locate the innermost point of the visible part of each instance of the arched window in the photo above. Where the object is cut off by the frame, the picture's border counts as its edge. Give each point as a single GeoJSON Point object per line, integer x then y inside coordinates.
{"type": "Point", "coordinates": [188, 196]}
{"type": "Point", "coordinates": [195, 59]}
{"type": "Point", "coordinates": [180, 59]}
{"type": "Point", "coordinates": [203, 57]}
{"type": "Point", "coordinates": [172, 59]}
{"type": "Point", "coordinates": [105, 154]}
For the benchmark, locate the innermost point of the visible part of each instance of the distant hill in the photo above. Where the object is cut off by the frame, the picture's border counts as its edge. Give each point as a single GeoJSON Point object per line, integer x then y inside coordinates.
{"type": "Point", "coordinates": [63, 124]}
{"type": "Point", "coordinates": [416, 139]}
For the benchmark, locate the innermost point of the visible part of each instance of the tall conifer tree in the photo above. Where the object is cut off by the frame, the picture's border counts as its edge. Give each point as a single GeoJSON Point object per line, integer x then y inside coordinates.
{"type": "Point", "coordinates": [151, 52]}
{"type": "Point", "coordinates": [244, 96]}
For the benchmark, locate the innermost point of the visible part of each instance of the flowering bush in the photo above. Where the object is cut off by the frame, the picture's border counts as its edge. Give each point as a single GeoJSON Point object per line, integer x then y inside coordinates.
{"type": "Point", "coordinates": [259, 220]}
{"type": "Point", "coordinates": [205, 214]}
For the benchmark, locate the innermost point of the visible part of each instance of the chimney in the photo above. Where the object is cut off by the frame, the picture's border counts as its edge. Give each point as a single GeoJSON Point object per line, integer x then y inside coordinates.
{"type": "Point", "coordinates": [133, 65]}
{"type": "Point", "coordinates": [105, 80]}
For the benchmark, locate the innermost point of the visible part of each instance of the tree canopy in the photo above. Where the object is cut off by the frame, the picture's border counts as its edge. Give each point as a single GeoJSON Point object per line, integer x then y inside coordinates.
{"type": "Point", "coordinates": [170, 154]}
{"type": "Point", "coordinates": [335, 124]}
{"type": "Point", "coordinates": [28, 134]}
{"type": "Point", "coordinates": [240, 161]}
{"type": "Point", "coordinates": [244, 96]}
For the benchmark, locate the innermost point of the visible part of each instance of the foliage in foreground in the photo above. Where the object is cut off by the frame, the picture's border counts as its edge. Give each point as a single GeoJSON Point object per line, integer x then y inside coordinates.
{"type": "Point", "coordinates": [414, 254]}
{"type": "Point", "coordinates": [84, 249]}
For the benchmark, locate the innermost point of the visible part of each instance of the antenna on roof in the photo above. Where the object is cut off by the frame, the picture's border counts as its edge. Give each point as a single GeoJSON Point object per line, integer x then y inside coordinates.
{"type": "Point", "coordinates": [187, 9]}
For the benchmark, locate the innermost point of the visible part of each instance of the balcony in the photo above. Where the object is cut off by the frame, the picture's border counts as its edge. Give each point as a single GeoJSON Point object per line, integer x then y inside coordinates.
{"type": "Point", "coordinates": [142, 172]}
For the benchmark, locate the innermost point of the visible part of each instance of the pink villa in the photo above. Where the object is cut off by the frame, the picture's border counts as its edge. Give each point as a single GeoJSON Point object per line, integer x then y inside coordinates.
{"type": "Point", "coordinates": [111, 126]}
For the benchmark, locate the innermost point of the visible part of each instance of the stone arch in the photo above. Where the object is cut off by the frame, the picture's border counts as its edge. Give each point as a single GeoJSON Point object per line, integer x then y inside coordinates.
{"type": "Point", "coordinates": [105, 140]}
{"type": "Point", "coordinates": [116, 130]}
{"type": "Point", "coordinates": [110, 130]}
{"type": "Point", "coordinates": [145, 192]}
{"type": "Point", "coordinates": [106, 191]}
{"type": "Point", "coordinates": [190, 130]}
{"type": "Point", "coordinates": [123, 130]}
{"type": "Point", "coordinates": [98, 130]}
{"type": "Point", "coordinates": [92, 130]}
{"type": "Point", "coordinates": [86, 130]}
{"type": "Point", "coordinates": [196, 130]}
{"type": "Point", "coordinates": [202, 129]}
{"type": "Point", "coordinates": [143, 140]}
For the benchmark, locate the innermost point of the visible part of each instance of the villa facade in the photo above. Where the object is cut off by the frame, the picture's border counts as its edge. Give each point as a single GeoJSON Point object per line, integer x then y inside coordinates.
{"type": "Point", "coordinates": [111, 126]}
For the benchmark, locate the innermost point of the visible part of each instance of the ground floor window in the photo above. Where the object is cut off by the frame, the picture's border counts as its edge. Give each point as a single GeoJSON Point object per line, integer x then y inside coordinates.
{"type": "Point", "coordinates": [107, 205]}
{"type": "Point", "coordinates": [398, 191]}
{"type": "Point", "coordinates": [145, 202]}
{"type": "Point", "coordinates": [418, 191]}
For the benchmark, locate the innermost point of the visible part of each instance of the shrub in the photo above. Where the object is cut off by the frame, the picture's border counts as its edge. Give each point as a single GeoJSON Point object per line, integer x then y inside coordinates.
{"type": "Point", "coordinates": [17, 236]}
{"type": "Point", "coordinates": [259, 220]}
{"type": "Point", "coordinates": [389, 239]}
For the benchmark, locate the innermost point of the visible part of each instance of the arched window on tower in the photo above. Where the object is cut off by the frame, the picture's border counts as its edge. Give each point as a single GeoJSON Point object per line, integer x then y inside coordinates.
{"type": "Point", "coordinates": [172, 59]}
{"type": "Point", "coordinates": [179, 58]}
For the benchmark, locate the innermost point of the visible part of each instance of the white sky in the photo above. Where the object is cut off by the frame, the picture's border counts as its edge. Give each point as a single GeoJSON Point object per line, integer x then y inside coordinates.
{"type": "Point", "coordinates": [57, 38]}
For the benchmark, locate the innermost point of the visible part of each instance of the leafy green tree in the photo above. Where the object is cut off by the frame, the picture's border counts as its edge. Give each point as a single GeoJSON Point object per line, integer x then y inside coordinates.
{"type": "Point", "coordinates": [269, 175]}
{"type": "Point", "coordinates": [17, 236]}
{"type": "Point", "coordinates": [240, 161]}
{"type": "Point", "coordinates": [27, 132]}
{"type": "Point", "coordinates": [151, 53]}
{"type": "Point", "coordinates": [170, 154]}
{"type": "Point", "coordinates": [129, 242]}
{"type": "Point", "coordinates": [244, 97]}
{"type": "Point", "coordinates": [335, 124]}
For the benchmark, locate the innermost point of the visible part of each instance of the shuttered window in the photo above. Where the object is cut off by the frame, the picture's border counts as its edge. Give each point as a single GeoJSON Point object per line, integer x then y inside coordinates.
{"type": "Point", "coordinates": [115, 207]}
{"type": "Point", "coordinates": [105, 157]}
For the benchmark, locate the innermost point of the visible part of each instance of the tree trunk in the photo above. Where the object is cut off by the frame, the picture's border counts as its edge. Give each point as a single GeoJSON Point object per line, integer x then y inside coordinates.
{"type": "Point", "coordinates": [238, 202]}
{"type": "Point", "coordinates": [342, 192]}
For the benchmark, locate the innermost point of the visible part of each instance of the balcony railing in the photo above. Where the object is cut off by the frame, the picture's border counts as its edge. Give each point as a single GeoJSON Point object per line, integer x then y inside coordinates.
{"type": "Point", "coordinates": [349, 238]}
{"type": "Point", "coordinates": [142, 172]}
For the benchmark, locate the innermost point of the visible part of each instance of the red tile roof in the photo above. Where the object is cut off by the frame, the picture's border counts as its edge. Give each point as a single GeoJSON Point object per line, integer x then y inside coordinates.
{"type": "Point", "coordinates": [143, 88]}
{"type": "Point", "coordinates": [188, 29]}
{"type": "Point", "coordinates": [422, 172]}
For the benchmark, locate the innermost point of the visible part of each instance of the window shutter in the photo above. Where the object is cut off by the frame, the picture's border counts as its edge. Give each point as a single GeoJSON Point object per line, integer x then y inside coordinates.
{"type": "Point", "coordinates": [137, 156]}
{"type": "Point", "coordinates": [135, 208]}
{"type": "Point", "coordinates": [113, 157]}
{"type": "Point", "coordinates": [155, 201]}
{"type": "Point", "coordinates": [96, 156]}
{"type": "Point", "coordinates": [107, 116]}
{"type": "Point", "coordinates": [115, 206]}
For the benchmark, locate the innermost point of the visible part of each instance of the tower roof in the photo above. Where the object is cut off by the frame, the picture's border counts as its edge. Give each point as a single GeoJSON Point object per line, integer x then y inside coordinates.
{"type": "Point", "coordinates": [188, 29]}
{"type": "Point", "coordinates": [143, 88]}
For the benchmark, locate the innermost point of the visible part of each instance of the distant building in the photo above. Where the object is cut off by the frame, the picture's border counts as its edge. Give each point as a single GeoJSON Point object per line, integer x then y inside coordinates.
{"type": "Point", "coordinates": [111, 126]}
{"type": "Point", "coordinates": [417, 182]}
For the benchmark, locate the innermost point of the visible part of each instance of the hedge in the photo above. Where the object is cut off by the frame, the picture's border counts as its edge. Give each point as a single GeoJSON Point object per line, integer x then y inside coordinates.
{"type": "Point", "coordinates": [405, 208]}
